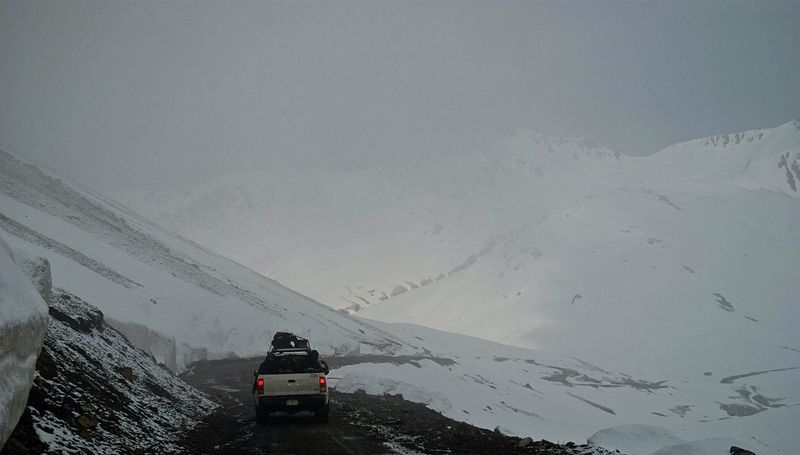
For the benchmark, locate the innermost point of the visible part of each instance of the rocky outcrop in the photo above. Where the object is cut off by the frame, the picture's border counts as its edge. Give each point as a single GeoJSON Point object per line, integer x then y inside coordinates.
{"type": "Point", "coordinates": [397, 290]}
{"type": "Point", "coordinates": [97, 393]}
{"type": "Point", "coordinates": [790, 162]}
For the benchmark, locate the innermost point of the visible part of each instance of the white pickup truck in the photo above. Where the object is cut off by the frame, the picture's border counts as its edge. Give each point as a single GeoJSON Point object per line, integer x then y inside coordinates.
{"type": "Point", "coordinates": [290, 381]}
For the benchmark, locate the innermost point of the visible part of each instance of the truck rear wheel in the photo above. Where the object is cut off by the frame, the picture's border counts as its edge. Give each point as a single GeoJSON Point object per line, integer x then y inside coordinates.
{"type": "Point", "coordinates": [322, 414]}
{"type": "Point", "coordinates": [262, 415]}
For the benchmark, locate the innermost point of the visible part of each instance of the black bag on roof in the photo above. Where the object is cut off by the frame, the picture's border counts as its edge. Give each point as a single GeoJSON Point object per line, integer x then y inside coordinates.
{"type": "Point", "coordinates": [286, 340]}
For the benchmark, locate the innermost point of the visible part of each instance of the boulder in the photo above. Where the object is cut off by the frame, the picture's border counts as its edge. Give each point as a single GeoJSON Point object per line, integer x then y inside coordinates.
{"type": "Point", "coordinates": [525, 442]}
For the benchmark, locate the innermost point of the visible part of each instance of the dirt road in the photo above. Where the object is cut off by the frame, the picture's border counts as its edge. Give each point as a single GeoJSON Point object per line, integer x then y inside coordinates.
{"type": "Point", "coordinates": [359, 423]}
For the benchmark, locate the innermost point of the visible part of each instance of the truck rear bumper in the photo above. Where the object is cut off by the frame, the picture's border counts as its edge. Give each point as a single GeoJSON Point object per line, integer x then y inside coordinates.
{"type": "Point", "coordinates": [286, 403]}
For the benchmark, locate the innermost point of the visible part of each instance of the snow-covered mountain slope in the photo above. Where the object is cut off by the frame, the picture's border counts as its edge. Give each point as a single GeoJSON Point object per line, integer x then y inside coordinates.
{"type": "Point", "coordinates": [181, 302]}
{"type": "Point", "coordinates": [184, 301]}
{"type": "Point", "coordinates": [351, 240]}
{"type": "Point", "coordinates": [354, 239]}
{"type": "Point", "coordinates": [23, 321]}
{"type": "Point", "coordinates": [680, 266]}
{"type": "Point", "coordinates": [538, 394]}
{"type": "Point", "coordinates": [683, 270]}
{"type": "Point", "coordinates": [541, 242]}
{"type": "Point", "coordinates": [632, 261]}
{"type": "Point", "coordinates": [650, 275]}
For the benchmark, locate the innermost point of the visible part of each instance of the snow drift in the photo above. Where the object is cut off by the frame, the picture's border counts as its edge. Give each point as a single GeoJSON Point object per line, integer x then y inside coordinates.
{"type": "Point", "coordinates": [23, 321]}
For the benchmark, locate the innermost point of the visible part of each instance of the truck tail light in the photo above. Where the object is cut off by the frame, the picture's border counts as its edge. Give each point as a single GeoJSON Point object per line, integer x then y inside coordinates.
{"type": "Point", "coordinates": [323, 384]}
{"type": "Point", "coordinates": [260, 385]}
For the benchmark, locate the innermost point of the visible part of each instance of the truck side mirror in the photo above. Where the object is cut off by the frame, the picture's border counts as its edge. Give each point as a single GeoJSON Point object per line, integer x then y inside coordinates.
{"type": "Point", "coordinates": [255, 373]}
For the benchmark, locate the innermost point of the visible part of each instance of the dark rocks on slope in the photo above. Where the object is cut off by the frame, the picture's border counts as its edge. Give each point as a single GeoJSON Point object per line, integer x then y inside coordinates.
{"type": "Point", "coordinates": [96, 393]}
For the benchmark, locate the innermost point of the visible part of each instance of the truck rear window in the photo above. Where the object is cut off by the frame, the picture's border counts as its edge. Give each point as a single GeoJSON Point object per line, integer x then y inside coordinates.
{"type": "Point", "coordinates": [289, 364]}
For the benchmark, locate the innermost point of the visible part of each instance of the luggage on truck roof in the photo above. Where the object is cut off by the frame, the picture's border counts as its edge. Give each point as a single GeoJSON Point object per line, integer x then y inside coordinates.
{"type": "Point", "coordinates": [289, 341]}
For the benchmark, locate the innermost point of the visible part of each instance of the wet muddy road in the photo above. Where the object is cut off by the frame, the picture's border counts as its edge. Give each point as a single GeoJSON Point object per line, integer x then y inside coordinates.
{"type": "Point", "coordinates": [233, 429]}
{"type": "Point", "coordinates": [359, 423]}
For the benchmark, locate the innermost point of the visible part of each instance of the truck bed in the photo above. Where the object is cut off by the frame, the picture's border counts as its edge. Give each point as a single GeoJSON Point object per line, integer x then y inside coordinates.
{"type": "Point", "coordinates": [291, 384]}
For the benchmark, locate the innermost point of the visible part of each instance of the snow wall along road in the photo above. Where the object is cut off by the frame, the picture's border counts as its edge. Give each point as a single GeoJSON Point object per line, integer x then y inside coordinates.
{"type": "Point", "coordinates": [23, 322]}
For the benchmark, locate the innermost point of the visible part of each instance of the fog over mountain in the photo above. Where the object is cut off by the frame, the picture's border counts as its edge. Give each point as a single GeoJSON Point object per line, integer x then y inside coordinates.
{"type": "Point", "coordinates": [501, 223]}
{"type": "Point", "coordinates": [160, 94]}
{"type": "Point", "coordinates": [542, 242]}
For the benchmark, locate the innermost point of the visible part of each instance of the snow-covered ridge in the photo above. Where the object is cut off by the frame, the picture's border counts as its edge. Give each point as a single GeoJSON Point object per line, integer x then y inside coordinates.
{"type": "Point", "coordinates": [531, 143]}
{"type": "Point", "coordinates": [755, 159]}
{"type": "Point", "coordinates": [789, 131]}
{"type": "Point", "coordinates": [23, 321]}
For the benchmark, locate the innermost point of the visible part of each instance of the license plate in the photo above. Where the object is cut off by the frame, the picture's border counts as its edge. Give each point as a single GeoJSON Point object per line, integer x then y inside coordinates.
{"type": "Point", "coordinates": [292, 403]}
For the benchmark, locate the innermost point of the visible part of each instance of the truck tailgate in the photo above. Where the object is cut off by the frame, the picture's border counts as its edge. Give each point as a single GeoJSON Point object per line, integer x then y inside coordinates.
{"type": "Point", "coordinates": [291, 384]}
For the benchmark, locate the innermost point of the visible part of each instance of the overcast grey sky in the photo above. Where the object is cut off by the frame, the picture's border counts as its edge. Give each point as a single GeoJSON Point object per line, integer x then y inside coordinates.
{"type": "Point", "coordinates": [138, 93]}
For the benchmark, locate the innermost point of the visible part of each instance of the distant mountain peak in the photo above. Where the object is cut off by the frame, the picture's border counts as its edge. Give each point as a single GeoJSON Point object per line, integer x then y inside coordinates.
{"type": "Point", "coordinates": [525, 144]}
{"type": "Point", "coordinates": [542, 139]}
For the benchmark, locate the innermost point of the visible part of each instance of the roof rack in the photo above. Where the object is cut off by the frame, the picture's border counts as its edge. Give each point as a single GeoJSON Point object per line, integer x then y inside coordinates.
{"type": "Point", "coordinates": [290, 351]}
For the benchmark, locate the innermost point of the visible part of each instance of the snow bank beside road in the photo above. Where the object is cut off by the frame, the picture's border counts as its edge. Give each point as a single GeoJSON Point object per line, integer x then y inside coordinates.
{"type": "Point", "coordinates": [372, 385]}
{"type": "Point", "coordinates": [547, 395]}
{"type": "Point", "coordinates": [702, 447]}
{"type": "Point", "coordinates": [23, 322]}
{"type": "Point", "coordinates": [655, 440]}
{"type": "Point", "coordinates": [635, 439]}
